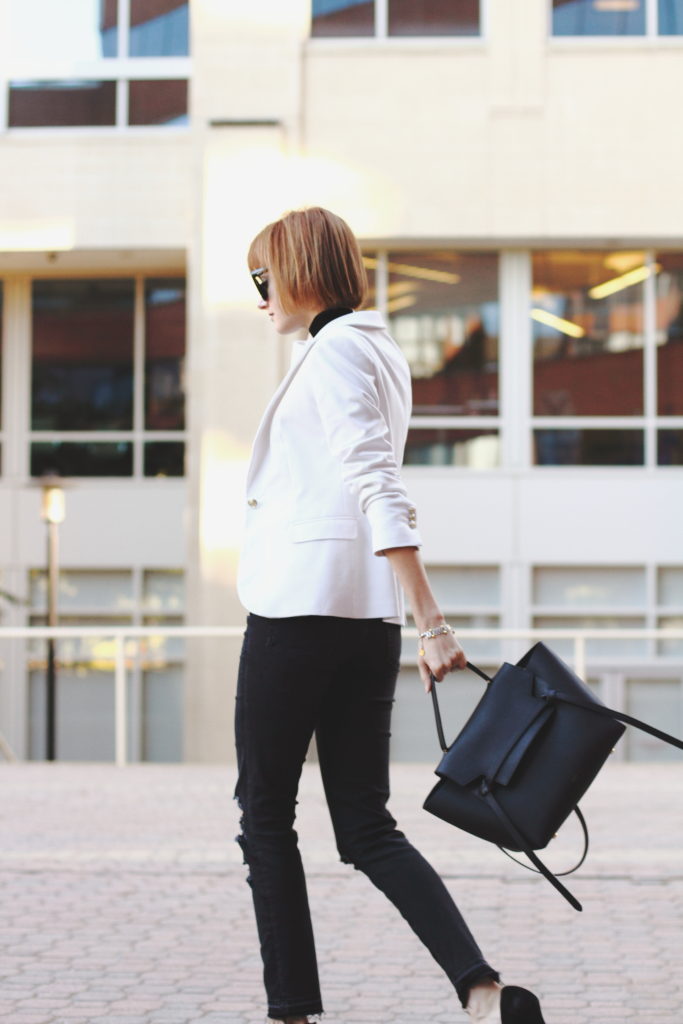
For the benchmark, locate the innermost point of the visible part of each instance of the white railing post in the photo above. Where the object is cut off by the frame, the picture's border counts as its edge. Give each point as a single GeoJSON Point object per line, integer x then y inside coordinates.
{"type": "Point", "coordinates": [580, 655]}
{"type": "Point", "coordinates": [120, 702]}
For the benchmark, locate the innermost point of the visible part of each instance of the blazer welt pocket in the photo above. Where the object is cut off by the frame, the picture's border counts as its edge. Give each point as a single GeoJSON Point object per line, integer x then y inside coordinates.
{"type": "Point", "coordinates": [325, 528]}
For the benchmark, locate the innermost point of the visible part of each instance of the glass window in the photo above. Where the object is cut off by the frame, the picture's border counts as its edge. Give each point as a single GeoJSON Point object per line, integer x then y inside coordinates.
{"type": "Point", "coordinates": [599, 17]}
{"type": "Point", "coordinates": [433, 18]}
{"type": "Point", "coordinates": [443, 311]}
{"type": "Point", "coordinates": [671, 17]}
{"type": "Point", "coordinates": [164, 591]}
{"type": "Point", "coordinates": [466, 586]}
{"type": "Point", "coordinates": [164, 458]}
{"type": "Point", "coordinates": [82, 458]}
{"type": "Point", "coordinates": [80, 30]}
{"type": "Point", "coordinates": [599, 648]}
{"type": "Point", "coordinates": [670, 447]}
{"type": "Point", "coordinates": [343, 18]}
{"type": "Point", "coordinates": [658, 702]}
{"type": "Point", "coordinates": [165, 354]}
{"type": "Point", "coordinates": [85, 590]}
{"type": "Point", "coordinates": [162, 714]}
{"type": "Point", "coordinates": [157, 101]}
{"type": "Point", "coordinates": [82, 355]}
{"type": "Point", "coordinates": [670, 334]}
{"type": "Point", "coordinates": [587, 313]}
{"type": "Point", "coordinates": [159, 28]}
{"type": "Point", "coordinates": [576, 447]}
{"type": "Point", "coordinates": [64, 104]}
{"type": "Point", "coordinates": [477, 448]}
{"type": "Point", "coordinates": [670, 586]}
{"type": "Point", "coordinates": [589, 586]}
{"type": "Point", "coordinates": [670, 647]}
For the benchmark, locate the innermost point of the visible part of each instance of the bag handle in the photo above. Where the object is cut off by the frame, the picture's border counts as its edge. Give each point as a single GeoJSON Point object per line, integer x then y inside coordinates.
{"type": "Point", "coordinates": [519, 840]}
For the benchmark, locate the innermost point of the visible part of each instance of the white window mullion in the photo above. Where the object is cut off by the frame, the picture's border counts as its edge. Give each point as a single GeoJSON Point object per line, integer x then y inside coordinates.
{"type": "Point", "coordinates": [650, 361]}
{"type": "Point", "coordinates": [652, 18]}
{"type": "Point", "coordinates": [381, 19]}
{"type": "Point", "coordinates": [124, 27]}
{"type": "Point", "coordinates": [138, 376]}
{"type": "Point", "coordinates": [515, 360]}
{"type": "Point", "coordinates": [121, 103]}
{"type": "Point", "coordinates": [17, 376]}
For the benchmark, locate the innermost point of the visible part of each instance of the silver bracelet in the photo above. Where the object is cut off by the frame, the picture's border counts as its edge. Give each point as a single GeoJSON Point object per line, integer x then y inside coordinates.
{"type": "Point", "coordinates": [441, 630]}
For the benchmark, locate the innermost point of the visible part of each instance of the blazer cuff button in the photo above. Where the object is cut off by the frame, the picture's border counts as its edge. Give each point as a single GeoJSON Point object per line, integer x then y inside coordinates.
{"type": "Point", "coordinates": [252, 503]}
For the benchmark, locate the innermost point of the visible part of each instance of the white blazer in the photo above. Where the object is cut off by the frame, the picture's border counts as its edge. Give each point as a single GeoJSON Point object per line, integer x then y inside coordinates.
{"type": "Point", "coordinates": [324, 492]}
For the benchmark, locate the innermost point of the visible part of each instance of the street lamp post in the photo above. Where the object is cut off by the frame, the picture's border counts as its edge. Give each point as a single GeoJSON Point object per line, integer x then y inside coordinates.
{"type": "Point", "coordinates": [52, 513]}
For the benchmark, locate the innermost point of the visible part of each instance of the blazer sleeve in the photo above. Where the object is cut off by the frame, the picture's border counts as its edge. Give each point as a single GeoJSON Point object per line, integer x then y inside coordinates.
{"type": "Point", "coordinates": [344, 385]}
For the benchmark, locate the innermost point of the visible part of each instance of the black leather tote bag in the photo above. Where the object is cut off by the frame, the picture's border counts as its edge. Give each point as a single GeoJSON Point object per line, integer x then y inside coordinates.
{"type": "Point", "coordinates": [525, 757]}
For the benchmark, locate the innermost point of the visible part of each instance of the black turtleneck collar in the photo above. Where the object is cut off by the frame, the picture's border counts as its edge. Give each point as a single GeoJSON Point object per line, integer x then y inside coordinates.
{"type": "Point", "coordinates": [326, 317]}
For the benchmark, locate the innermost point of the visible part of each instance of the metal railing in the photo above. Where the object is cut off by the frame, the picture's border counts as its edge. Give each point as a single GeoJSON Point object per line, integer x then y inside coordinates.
{"type": "Point", "coordinates": [120, 634]}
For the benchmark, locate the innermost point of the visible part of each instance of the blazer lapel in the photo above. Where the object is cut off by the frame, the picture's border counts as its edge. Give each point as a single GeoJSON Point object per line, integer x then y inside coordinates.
{"type": "Point", "coordinates": [260, 445]}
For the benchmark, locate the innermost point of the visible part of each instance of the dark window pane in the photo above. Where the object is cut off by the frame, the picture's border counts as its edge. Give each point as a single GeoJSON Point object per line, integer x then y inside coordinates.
{"type": "Point", "coordinates": [62, 104]}
{"type": "Point", "coordinates": [157, 101]}
{"type": "Point", "coordinates": [443, 312]}
{"type": "Point", "coordinates": [670, 334]}
{"type": "Point", "coordinates": [159, 28]}
{"type": "Point", "coordinates": [598, 17]}
{"type": "Point", "coordinates": [433, 18]}
{"type": "Point", "coordinates": [82, 458]}
{"type": "Point", "coordinates": [343, 18]}
{"type": "Point", "coordinates": [670, 447]}
{"type": "Point", "coordinates": [671, 17]}
{"type": "Point", "coordinates": [588, 447]}
{"type": "Point", "coordinates": [2, 345]}
{"type": "Point", "coordinates": [71, 30]}
{"type": "Point", "coordinates": [165, 354]}
{"type": "Point", "coordinates": [443, 446]}
{"type": "Point", "coordinates": [587, 313]}
{"type": "Point", "coordinates": [82, 355]}
{"type": "Point", "coordinates": [165, 458]}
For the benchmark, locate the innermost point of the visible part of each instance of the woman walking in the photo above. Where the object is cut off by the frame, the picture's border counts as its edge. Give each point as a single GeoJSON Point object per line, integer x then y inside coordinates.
{"type": "Point", "coordinates": [331, 543]}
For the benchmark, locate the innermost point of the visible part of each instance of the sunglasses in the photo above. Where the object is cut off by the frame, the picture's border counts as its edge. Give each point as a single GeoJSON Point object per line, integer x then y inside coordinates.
{"type": "Point", "coordinates": [261, 282]}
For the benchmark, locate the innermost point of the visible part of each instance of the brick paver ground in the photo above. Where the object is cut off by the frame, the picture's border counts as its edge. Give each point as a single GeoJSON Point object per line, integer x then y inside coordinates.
{"type": "Point", "coordinates": [124, 901]}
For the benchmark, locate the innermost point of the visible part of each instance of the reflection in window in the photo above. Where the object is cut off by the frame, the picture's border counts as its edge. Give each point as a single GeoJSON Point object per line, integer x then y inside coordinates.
{"type": "Point", "coordinates": [343, 18]}
{"type": "Point", "coordinates": [587, 313]}
{"type": "Point", "coordinates": [79, 30]}
{"type": "Point", "coordinates": [159, 28]}
{"type": "Point", "coordinates": [164, 353]}
{"type": "Point", "coordinates": [443, 311]}
{"type": "Point", "coordinates": [576, 447]}
{"type": "Point", "coordinates": [82, 355]}
{"type": "Point", "coordinates": [433, 18]}
{"type": "Point", "coordinates": [82, 458]}
{"type": "Point", "coordinates": [445, 446]}
{"type": "Point", "coordinates": [599, 17]}
{"type": "Point", "coordinates": [62, 104]}
{"type": "Point", "coordinates": [164, 458]}
{"type": "Point", "coordinates": [670, 17]}
{"type": "Point", "coordinates": [157, 101]}
{"type": "Point", "coordinates": [670, 336]}
{"type": "Point", "coordinates": [670, 447]}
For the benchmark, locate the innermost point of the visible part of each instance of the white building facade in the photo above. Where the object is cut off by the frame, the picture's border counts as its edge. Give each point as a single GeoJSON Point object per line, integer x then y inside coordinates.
{"type": "Point", "coordinates": [513, 173]}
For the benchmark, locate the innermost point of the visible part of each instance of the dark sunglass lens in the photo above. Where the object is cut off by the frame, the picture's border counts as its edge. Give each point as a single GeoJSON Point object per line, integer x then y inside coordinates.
{"type": "Point", "coordinates": [261, 283]}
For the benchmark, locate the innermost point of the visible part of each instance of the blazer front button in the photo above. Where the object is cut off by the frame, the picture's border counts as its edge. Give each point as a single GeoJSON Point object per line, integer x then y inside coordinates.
{"type": "Point", "coordinates": [252, 503]}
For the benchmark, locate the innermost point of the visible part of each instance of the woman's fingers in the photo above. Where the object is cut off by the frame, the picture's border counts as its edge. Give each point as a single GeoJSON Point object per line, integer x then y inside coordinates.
{"type": "Point", "coordinates": [443, 655]}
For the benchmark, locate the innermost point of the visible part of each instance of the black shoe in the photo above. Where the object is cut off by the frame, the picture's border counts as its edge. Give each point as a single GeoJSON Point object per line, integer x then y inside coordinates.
{"type": "Point", "coordinates": [519, 1006]}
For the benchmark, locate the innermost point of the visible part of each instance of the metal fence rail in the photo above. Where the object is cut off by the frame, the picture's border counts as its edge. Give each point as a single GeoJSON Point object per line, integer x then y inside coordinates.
{"type": "Point", "coordinates": [120, 634]}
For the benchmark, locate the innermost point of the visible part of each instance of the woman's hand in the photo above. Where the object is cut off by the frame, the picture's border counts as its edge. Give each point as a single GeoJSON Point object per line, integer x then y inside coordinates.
{"type": "Point", "coordinates": [441, 655]}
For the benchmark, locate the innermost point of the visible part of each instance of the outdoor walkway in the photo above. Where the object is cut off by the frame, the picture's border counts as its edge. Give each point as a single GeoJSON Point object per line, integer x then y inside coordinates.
{"type": "Point", "coordinates": [124, 901]}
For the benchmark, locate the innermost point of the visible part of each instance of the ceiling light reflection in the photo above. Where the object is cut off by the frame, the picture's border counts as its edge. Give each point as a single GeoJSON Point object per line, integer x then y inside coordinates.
{"type": "Point", "coordinates": [616, 284]}
{"type": "Point", "coordinates": [542, 316]}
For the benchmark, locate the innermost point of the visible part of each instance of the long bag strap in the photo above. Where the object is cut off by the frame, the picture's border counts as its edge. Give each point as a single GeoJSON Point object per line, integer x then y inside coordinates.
{"type": "Point", "coordinates": [517, 838]}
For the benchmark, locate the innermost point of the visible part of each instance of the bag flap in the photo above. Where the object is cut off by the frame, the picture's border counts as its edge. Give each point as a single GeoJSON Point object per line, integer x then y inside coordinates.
{"type": "Point", "coordinates": [499, 732]}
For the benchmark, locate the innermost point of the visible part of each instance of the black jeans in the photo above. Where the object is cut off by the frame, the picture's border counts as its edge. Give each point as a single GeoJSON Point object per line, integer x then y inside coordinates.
{"type": "Point", "coordinates": [335, 677]}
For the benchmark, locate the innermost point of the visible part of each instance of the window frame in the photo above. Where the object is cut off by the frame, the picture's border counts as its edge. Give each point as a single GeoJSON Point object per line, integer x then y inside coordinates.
{"type": "Point", "coordinates": [120, 69]}
{"type": "Point", "coordinates": [15, 430]}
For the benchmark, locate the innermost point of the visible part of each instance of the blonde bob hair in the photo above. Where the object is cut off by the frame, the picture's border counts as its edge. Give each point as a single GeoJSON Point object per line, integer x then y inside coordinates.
{"type": "Point", "coordinates": [315, 259]}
